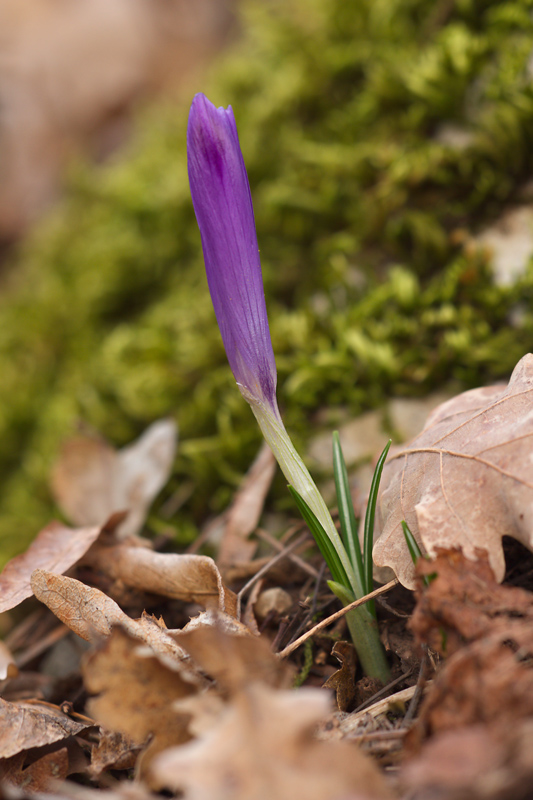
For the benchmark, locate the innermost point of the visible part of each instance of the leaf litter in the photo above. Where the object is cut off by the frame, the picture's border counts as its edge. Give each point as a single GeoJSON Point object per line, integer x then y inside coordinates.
{"type": "Point", "coordinates": [189, 698]}
{"type": "Point", "coordinates": [466, 481]}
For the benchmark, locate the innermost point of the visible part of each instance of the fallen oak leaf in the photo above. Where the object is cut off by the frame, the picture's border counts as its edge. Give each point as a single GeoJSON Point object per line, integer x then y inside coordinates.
{"type": "Point", "coordinates": [465, 481]}
{"type": "Point", "coordinates": [25, 725]}
{"type": "Point", "coordinates": [92, 615]}
{"type": "Point", "coordinates": [56, 549]}
{"type": "Point", "coordinates": [191, 578]}
{"type": "Point", "coordinates": [91, 480]}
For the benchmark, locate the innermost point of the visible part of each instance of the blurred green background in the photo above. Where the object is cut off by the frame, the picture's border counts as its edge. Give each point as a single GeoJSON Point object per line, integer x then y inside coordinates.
{"type": "Point", "coordinates": [380, 137]}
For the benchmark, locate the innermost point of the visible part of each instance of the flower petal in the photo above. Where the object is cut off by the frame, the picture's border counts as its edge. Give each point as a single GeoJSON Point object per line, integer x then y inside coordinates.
{"type": "Point", "coordinates": [223, 206]}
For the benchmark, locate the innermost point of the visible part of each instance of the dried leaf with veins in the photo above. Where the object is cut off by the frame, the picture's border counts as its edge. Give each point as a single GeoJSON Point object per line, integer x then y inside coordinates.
{"type": "Point", "coordinates": [56, 549]}
{"type": "Point", "coordinates": [92, 615]}
{"type": "Point", "coordinates": [192, 578]}
{"type": "Point", "coordinates": [466, 480]}
{"type": "Point", "coordinates": [92, 480]}
{"type": "Point", "coordinates": [25, 725]}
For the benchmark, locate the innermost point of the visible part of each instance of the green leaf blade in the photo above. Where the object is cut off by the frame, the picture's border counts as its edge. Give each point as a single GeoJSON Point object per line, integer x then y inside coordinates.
{"type": "Point", "coordinates": [320, 536]}
{"type": "Point", "coordinates": [370, 516]}
{"type": "Point", "coordinates": [349, 527]}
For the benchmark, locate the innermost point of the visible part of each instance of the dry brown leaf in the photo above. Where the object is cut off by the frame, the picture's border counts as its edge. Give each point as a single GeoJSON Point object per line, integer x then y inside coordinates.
{"type": "Point", "coordinates": [56, 549]}
{"type": "Point", "coordinates": [91, 480]}
{"type": "Point", "coordinates": [343, 680]}
{"type": "Point", "coordinates": [487, 632]}
{"type": "Point", "coordinates": [37, 776]}
{"type": "Point", "coordinates": [479, 762]}
{"type": "Point", "coordinates": [465, 481]}
{"type": "Point", "coordinates": [262, 748]}
{"type": "Point", "coordinates": [113, 751]}
{"type": "Point", "coordinates": [92, 615]}
{"type": "Point", "coordinates": [25, 725]}
{"type": "Point", "coordinates": [463, 603]}
{"type": "Point", "coordinates": [135, 693]}
{"type": "Point", "coordinates": [234, 661]}
{"type": "Point", "coordinates": [243, 516]}
{"type": "Point", "coordinates": [192, 578]}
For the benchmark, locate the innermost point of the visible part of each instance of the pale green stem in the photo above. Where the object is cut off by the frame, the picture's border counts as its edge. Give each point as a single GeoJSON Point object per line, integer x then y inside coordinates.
{"type": "Point", "coordinates": [364, 631]}
{"type": "Point", "coordinates": [298, 475]}
{"type": "Point", "coordinates": [362, 625]}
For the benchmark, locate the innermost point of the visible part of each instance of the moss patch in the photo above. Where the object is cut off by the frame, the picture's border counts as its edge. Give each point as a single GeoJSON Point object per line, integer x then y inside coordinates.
{"type": "Point", "coordinates": [364, 211]}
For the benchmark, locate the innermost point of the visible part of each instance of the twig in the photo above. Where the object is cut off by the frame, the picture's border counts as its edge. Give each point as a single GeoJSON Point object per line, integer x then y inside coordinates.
{"type": "Point", "coordinates": [375, 697]}
{"type": "Point", "coordinates": [413, 705]}
{"type": "Point", "coordinates": [273, 542]}
{"type": "Point", "coordinates": [334, 617]}
{"type": "Point", "coordinates": [286, 550]}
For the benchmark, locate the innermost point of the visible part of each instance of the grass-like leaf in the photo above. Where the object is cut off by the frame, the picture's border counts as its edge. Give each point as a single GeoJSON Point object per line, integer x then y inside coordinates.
{"type": "Point", "coordinates": [347, 519]}
{"type": "Point", "coordinates": [368, 539]}
{"type": "Point", "coordinates": [415, 550]}
{"type": "Point", "coordinates": [412, 544]}
{"type": "Point", "coordinates": [320, 536]}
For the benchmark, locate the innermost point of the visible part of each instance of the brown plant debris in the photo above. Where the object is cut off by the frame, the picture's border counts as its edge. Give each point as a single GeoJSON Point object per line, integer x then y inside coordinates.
{"type": "Point", "coordinates": [466, 480]}
{"type": "Point", "coordinates": [91, 480]}
{"type": "Point", "coordinates": [486, 632]}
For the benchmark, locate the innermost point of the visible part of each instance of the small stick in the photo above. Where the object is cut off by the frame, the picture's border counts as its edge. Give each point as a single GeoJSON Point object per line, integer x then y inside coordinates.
{"type": "Point", "coordinates": [334, 617]}
{"type": "Point", "coordinates": [375, 697]}
{"type": "Point", "coordinates": [273, 542]}
{"type": "Point", "coordinates": [419, 690]}
{"type": "Point", "coordinates": [283, 554]}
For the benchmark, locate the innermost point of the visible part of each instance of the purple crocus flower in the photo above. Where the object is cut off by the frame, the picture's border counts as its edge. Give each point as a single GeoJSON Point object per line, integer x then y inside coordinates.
{"type": "Point", "coordinates": [223, 206]}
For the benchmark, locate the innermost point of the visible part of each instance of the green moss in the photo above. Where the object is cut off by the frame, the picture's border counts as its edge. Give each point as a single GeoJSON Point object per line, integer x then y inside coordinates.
{"type": "Point", "coordinates": [359, 203]}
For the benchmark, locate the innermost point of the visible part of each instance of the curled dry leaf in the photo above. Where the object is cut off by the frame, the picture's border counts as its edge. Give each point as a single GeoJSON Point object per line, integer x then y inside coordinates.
{"type": "Point", "coordinates": [25, 725]}
{"type": "Point", "coordinates": [56, 549]}
{"type": "Point", "coordinates": [487, 632]}
{"type": "Point", "coordinates": [343, 680]}
{"type": "Point", "coordinates": [135, 693]}
{"type": "Point", "coordinates": [465, 481]}
{"type": "Point", "coordinates": [262, 747]}
{"type": "Point", "coordinates": [91, 480]}
{"type": "Point", "coordinates": [192, 578]}
{"type": "Point", "coordinates": [92, 615]}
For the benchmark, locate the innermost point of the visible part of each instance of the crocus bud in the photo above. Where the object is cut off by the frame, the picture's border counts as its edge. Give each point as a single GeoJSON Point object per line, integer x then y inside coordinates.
{"type": "Point", "coordinates": [223, 206]}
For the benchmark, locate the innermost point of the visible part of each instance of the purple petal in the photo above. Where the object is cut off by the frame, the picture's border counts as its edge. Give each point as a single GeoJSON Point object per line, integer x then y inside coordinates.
{"type": "Point", "coordinates": [223, 206]}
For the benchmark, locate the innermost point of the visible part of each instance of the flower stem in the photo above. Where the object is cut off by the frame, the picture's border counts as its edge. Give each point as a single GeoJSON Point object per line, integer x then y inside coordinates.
{"type": "Point", "coordinates": [364, 631]}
